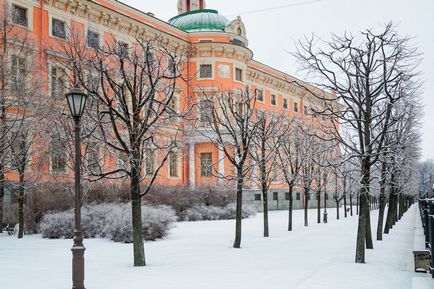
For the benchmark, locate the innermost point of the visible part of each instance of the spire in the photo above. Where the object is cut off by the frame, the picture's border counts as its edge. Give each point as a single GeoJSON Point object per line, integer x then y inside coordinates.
{"type": "Point", "coordinates": [190, 5]}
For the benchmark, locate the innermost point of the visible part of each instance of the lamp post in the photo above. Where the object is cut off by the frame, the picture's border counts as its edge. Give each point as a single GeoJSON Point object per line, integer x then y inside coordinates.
{"type": "Point", "coordinates": [76, 102]}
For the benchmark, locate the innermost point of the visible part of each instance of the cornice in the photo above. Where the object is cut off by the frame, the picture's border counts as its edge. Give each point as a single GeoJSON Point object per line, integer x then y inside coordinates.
{"type": "Point", "coordinates": [221, 49]}
{"type": "Point", "coordinates": [119, 22]}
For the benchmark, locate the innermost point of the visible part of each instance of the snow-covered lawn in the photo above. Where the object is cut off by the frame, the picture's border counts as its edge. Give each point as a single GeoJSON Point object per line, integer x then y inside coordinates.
{"type": "Point", "coordinates": [199, 256]}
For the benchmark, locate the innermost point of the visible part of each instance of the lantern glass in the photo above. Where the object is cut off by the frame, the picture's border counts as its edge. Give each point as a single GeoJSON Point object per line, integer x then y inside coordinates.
{"type": "Point", "coordinates": [76, 101]}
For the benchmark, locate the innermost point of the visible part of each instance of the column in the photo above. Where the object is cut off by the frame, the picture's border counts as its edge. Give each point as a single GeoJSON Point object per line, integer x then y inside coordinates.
{"type": "Point", "coordinates": [191, 165]}
{"type": "Point", "coordinates": [221, 165]}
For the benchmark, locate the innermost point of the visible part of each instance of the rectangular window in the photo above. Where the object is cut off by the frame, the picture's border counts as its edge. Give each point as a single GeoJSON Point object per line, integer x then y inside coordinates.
{"type": "Point", "coordinates": [286, 196]}
{"type": "Point", "coordinates": [149, 162]}
{"type": "Point", "coordinates": [93, 39]}
{"type": "Point", "coordinates": [258, 197]}
{"type": "Point", "coordinates": [58, 157]}
{"type": "Point", "coordinates": [19, 15]}
{"type": "Point", "coordinates": [173, 107]}
{"type": "Point", "coordinates": [18, 72]}
{"type": "Point", "coordinates": [171, 66]}
{"type": "Point", "coordinates": [123, 49]}
{"type": "Point", "coordinates": [308, 197]}
{"type": "Point", "coordinates": [173, 165]}
{"type": "Point", "coordinates": [93, 158]}
{"type": "Point", "coordinates": [273, 99]}
{"type": "Point", "coordinates": [305, 110]}
{"type": "Point", "coordinates": [295, 107]}
{"type": "Point", "coordinates": [326, 196]}
{"type": "Point", "coordinates": [206, 109]}
{"type": "Point", "coordinates": [238, 74]}
{"type": "Point", "coordinates": [259, 95]}
{"type": "Point", "coordinates": [58, 82]}
{"type": "Point", "coordinates": [297, 196]}
{"type": "Point", "coordinates": [285, 103]}
{"type": "Point", "coordinates": [206, 164]}
{"type": "Point", "coordinates": [205, 71]}
{"type": "Point", "coordinates": [275, 196]}
{"type": "Point", "coordinates": [58, 28]}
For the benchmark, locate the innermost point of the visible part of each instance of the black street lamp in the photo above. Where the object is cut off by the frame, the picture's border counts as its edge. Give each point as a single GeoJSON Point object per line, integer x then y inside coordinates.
{"type": "Point", "coordinates": [76, 101]}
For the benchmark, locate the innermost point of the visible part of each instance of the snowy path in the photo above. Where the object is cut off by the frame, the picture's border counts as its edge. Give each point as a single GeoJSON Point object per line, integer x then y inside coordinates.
{"type": "Point", "coordinates": [199, 256]}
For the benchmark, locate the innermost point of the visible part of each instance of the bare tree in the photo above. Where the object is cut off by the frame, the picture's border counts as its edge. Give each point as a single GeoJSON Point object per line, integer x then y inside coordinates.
{"type": "Point", "coordinates": [365, 74]}
{"type": "Point", "coordinates": [20, 99]}
{"type": "Point", "coordinates": [138, 101]}
{"type": "Point", "coordinates": [266, 145]}
{"type": "Point", "coordinates": [290, 160]}
{"type": "Point", "coordinates": [233, 124]}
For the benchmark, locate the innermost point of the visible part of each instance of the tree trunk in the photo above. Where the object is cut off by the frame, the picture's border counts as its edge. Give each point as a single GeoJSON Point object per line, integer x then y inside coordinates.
{"type": "Point", "coordinates": [337, 208]}
{"type": "Point", "coordinates": [351, 205]}
{"type": "Point", "coordinates": [369, 242]}
{"type": "Point", "coordinates": [290, 206]}
{"type": "Point", "coordinates": [381, 215]}
{"type": "Point", "coordinates": [361, 230]}
{"type": "Point", "coordinates": [265, 209]}
{"type": "Point", "coordinates": [345, 205]}
{"type": "Point", "coordinates": [382, 202]}
{"type": "Point", "coordinates": [306, 221]}
{"type": "Point", "coordinates": [21, 199]}
{"type": "Point", "coordinates": [363, 211]}
{"type": "Point", "coordinates": [237, 242]}
{"type": "Point", "coordinates": [391, 212]}
{"type": "Point", "coordinates": [138, 235]}
{"type": "Point", "coordinates": [319, 208]}
{"type": "Point", "coordinates": [401, 206]}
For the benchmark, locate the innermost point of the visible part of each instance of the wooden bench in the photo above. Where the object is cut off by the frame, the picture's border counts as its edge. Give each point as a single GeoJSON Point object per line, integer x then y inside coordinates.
{"type": "Point", "coordinates": [10, 229]}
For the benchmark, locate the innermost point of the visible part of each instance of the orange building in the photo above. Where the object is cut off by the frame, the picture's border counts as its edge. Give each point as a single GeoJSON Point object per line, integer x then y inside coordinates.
{"type": "Point", "coordinates": [219, 58]}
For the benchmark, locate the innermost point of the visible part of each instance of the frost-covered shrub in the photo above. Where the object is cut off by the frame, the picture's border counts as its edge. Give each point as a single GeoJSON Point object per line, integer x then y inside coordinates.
{"type": "Point", "coordinates": [120, 227]}
{"type": "Point", "coordinates": [58, 225]}
{"type": "Point", "coordinates": [202, 212]}
{"type": "Point", "coordinates": [157, 221]}
{"type": "Point", "coordinates": [112, 221]}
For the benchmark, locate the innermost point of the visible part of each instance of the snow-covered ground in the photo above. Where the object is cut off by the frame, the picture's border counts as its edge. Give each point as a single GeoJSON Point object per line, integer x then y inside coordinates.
{"type": "Point", "coordinates": [199, 256]}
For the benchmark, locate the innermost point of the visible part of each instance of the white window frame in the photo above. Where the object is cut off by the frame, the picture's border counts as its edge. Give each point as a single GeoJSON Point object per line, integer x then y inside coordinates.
{"type": "Point", "coordinates": [67, 80]}
{"type": "Point", "coordinates": [100, 34]}
{"type": "Point", "coordinates": [178, 166]}
{"type": "Point", "coordinates": [263, 95]}
{"type": "Point", "coordinates": [243, 76]}
{"type": "Point", "coordinates": [287, 103]}
{"type": "Point", "coordinates": [62, 18]}
{"type": "Point", "coordinates": [198, 65]}
{"type": "Point", "coordinates": [50, 167]}
{"type": "Point", "coordinates": [23, 4]}
{"type": "Point", "coordinates": [276, 98]}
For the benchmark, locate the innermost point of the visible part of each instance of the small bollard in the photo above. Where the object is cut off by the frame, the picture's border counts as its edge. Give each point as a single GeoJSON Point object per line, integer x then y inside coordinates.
{"type": "Point", "coordinates": [324, 218]}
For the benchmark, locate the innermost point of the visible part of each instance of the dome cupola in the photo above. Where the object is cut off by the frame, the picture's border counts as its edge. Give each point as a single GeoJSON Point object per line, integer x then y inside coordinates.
{"type": "Point", "coordinates": [200, 20]}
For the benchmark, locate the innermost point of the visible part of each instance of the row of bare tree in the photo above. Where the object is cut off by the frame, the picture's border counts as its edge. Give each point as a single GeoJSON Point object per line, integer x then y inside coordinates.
{"type": "Point", "coordinates": [368, 129]}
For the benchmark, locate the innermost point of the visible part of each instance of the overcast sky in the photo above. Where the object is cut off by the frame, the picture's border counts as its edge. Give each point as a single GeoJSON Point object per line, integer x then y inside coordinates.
{"type": "Point", "coordinates": [272, 33]}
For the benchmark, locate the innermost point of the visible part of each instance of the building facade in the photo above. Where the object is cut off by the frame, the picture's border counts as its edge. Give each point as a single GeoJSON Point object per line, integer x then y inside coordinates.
{"type": "Point", "coordinates": [219, 58]}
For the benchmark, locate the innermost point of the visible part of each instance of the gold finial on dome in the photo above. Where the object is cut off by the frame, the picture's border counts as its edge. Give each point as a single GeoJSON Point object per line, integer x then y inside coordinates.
{"type": "Point", "coordinates": [190, 5]}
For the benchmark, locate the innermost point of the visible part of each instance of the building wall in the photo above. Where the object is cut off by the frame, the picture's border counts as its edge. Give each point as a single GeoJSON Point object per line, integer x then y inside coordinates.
{"type": "Point", "coordinates": [111, 18]}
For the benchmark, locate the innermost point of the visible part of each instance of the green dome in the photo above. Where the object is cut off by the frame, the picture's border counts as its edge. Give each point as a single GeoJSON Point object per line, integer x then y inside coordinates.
{"type": "Point", "coordinates": [200, 20]}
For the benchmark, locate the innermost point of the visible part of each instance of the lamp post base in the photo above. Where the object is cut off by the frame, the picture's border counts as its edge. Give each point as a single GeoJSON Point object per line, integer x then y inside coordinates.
{"type": "Point", "coordinates": [325, 217]}
{"type": "Point", "coordinates": [78, 267]}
